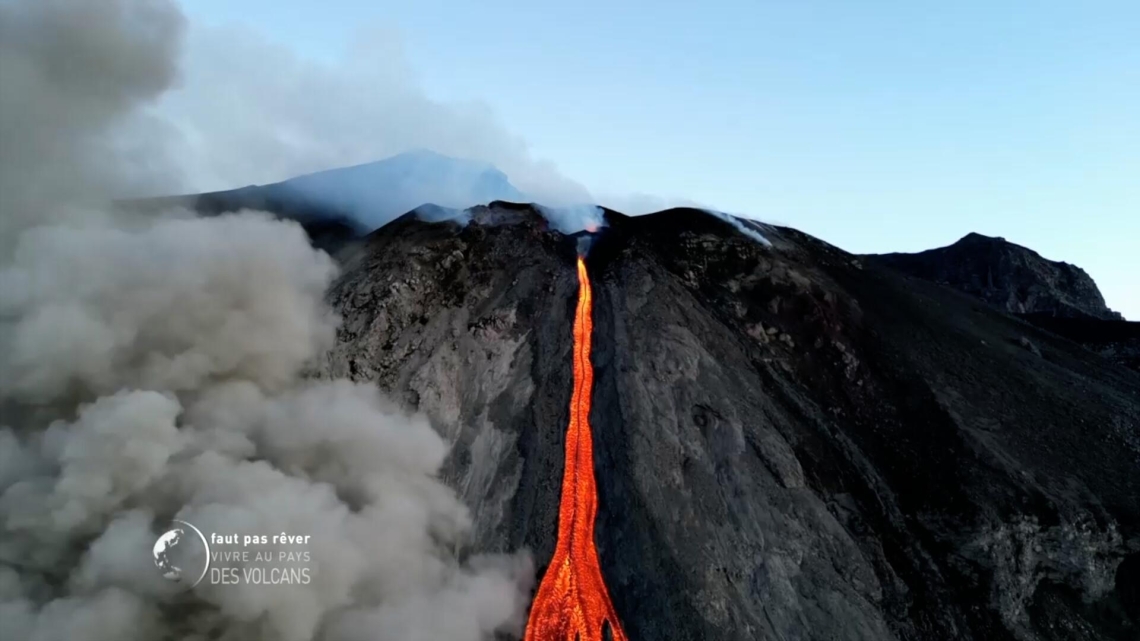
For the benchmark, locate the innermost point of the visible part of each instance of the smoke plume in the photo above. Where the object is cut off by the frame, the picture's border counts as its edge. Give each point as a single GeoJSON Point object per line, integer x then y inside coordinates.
{"type": "Point", "coordinates": [151, 367]}
{"type": "Point", "coordinates": [249, 111]}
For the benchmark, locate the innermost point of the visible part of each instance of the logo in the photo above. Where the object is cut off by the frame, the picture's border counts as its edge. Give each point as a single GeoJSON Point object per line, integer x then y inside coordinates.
{"type": "Point", "coordinates": [182, 554]}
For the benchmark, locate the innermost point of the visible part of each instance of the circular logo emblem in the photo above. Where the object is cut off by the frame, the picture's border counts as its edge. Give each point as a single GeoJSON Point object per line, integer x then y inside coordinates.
{"type": "Point", "coordinates": [182, 554]}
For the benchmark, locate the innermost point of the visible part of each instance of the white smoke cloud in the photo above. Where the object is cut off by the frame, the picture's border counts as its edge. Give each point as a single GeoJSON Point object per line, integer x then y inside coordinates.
{"type": "Point", "coordinates": [151, 368]}
{"type": "Point", "coordinates": [574, 218]}
{"type": "Point", "coordinates": [71, 81]}
{"type": "Point", "coordinates": [252, 112]}
{"type": "Point", "coordinates": [749, 228]}
{"type": "Point", "coordinates": [636, 204]}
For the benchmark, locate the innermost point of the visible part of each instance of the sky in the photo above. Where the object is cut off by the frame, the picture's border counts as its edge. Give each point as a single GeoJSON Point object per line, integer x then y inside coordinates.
{"type": "Point", "coordinates": [877, 126]}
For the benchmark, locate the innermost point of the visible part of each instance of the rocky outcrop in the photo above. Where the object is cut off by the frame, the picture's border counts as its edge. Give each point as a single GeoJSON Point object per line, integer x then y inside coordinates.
{"type": "Point", "coordinates": [1117, 341]}
{"type": "Point", "coordinates": [1011, 277]}
{"type": "Point", "coordinates": [791, 443]}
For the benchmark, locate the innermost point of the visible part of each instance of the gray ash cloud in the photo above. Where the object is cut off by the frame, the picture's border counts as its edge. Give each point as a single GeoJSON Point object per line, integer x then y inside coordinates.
{"type": "Point", "coordinates": [151, 367]}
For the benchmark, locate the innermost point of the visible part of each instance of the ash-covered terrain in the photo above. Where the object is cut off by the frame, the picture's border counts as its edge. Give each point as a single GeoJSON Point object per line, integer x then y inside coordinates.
{"type": "Point", "coordinates": [791, 442]}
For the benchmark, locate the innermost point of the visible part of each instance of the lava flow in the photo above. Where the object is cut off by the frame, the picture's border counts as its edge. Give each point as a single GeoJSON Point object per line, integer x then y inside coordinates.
{"type": "Point", "coordinates": [572, 603]}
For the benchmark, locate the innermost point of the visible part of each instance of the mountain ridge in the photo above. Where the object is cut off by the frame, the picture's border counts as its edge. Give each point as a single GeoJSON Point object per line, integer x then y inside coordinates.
{"type": "Point", "coordinates": [1015, 278]}
{"type": "Point", "coordinates": [377, 192]}
{"type": "Point", "coordinates": [345, 203]}
{"type": "Point", "coordinates": [342, 204]}
{"type": "Point", "coordinates": [789, 442]}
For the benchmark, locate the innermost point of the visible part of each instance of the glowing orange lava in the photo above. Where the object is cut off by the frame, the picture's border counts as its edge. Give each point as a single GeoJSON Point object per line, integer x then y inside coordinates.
{"type": "Point", "coordinates": [572, 603]}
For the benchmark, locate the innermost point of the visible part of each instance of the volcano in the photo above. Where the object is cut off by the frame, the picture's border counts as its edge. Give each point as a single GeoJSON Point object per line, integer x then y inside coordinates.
{"type": "Point", "coordinates": [788, 441]}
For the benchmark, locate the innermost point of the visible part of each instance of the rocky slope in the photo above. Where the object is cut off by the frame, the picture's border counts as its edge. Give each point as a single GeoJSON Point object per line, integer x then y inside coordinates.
{"type": "Point", "coordinates": [1012, 277]}
{"type": "Point", "coordinates": [1115, 340]}
{"type": "Point", "coordinates": [791, 443]}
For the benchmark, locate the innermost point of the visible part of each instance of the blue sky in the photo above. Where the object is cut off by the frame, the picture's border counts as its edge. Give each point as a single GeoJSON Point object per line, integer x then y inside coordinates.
{"type": "Point", "coordinates": [878, 126]}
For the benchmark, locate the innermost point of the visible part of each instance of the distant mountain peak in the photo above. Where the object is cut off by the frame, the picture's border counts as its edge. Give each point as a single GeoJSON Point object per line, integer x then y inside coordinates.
{"type": "Point", "coordinates": [377, 192]}
{"type": "Point", "coordinates": [425, 154]}
{"type": "Point", "coordinates": [1010, 276]}
{"type": "Point", "coordinates": [974, 237]}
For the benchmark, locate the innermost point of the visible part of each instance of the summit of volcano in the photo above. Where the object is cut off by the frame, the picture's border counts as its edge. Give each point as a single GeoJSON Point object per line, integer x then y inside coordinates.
{"type": "Point", "coordinates": [790, 441]}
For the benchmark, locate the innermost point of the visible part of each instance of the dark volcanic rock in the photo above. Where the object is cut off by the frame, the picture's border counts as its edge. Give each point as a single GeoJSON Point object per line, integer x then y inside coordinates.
{"type": "Point", "coordinates": [789, 444]}
{"type": "Point", "coordinates": [1118, 341]}
{"type": "Point", "coordinates": [1009, 276]}
{"type": "Point", "coordinates": [1059, 297]}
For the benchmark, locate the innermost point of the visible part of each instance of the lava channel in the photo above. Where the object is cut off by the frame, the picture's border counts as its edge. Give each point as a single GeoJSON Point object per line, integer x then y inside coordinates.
{"type": "Point", "coordinates": [572, 603]}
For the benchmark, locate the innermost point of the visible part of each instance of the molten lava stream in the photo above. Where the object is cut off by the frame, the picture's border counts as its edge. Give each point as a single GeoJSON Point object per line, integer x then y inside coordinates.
{"type": "Point", "coordinates": [572, 603]}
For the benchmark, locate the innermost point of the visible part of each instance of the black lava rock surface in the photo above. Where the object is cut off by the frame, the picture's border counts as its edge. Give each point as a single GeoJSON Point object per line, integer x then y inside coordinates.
{"type": "Point", "coordinates": [791, 442]}
{"type": "Point", "coordinates": [1117, 341]}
